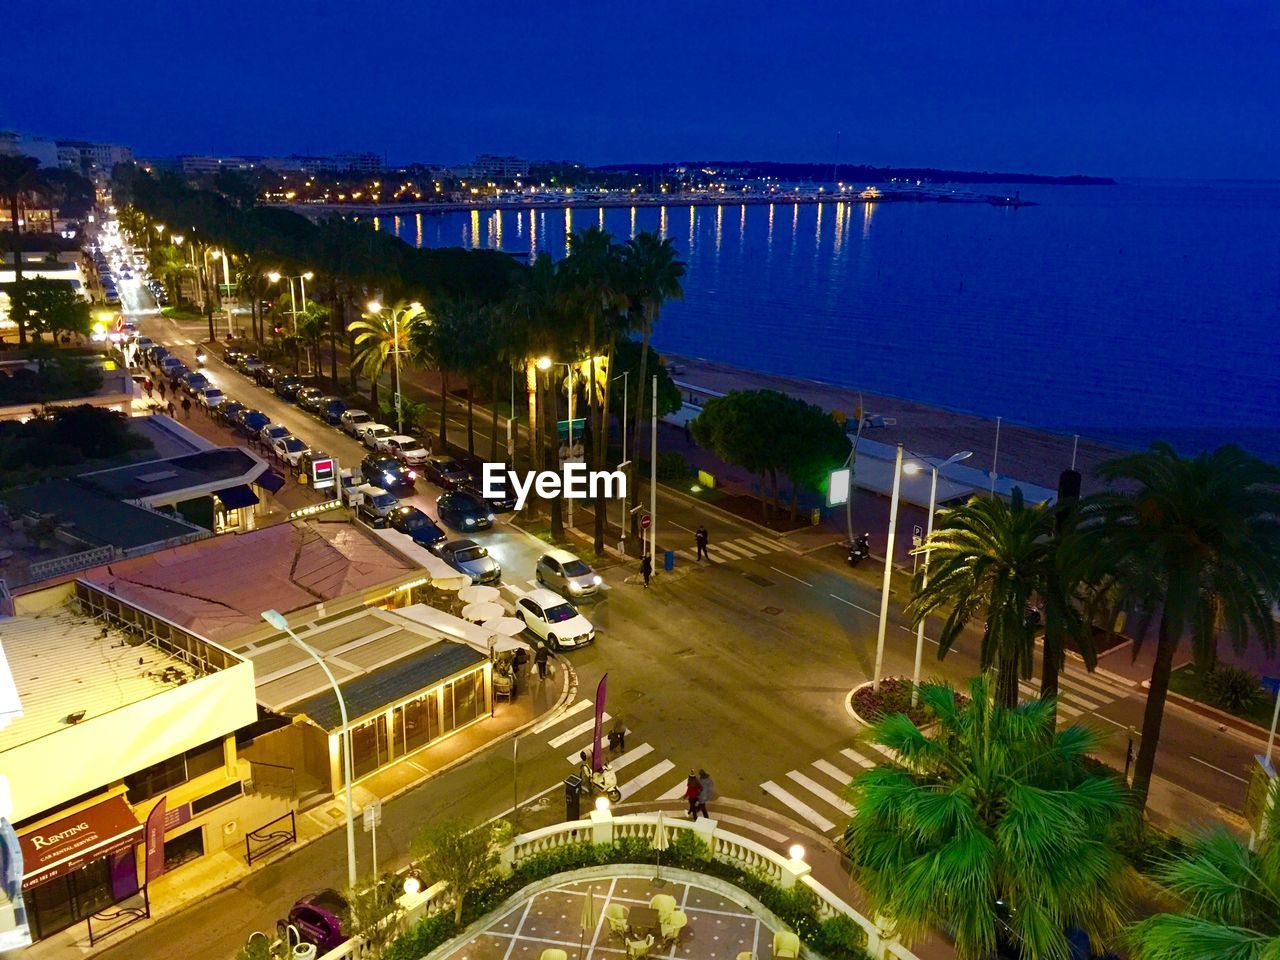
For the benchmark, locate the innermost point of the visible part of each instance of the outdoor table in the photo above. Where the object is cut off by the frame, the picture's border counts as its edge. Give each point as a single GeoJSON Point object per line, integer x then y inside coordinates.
{"type": "Point", "coordinates": [644, 920]}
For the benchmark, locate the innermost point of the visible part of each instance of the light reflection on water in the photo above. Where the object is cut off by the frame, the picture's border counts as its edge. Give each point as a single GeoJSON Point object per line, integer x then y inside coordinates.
{"type": "Point", "coordinates": [1129, 311]}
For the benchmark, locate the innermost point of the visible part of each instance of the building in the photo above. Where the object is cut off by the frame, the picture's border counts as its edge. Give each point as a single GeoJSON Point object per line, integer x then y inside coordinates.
{"type": "Point", "coordinates": [83, 156]}
{"type": "Point", "coordinates": [16, 145]}
{"type": "Point", "coordinates": [359, 163]}
{"type": "Point", "coordinates": [362, 163]}
{"type": "Point", "coordinates": [495, 167]}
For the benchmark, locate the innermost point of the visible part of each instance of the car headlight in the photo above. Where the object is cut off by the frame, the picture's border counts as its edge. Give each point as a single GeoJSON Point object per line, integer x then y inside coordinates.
{"type": "Point", "coordinates": [575, 587]}
{"type": "Point", "coordinates": [390, 477]}
{"type": "Point", "coordinates": [413, 475]}
{"type": "Point", "coordinates": [470, 522]}
{"type": "Point", "coordinates": [490, 518]}
{"type": "Point", "coordinates": [596, 580]}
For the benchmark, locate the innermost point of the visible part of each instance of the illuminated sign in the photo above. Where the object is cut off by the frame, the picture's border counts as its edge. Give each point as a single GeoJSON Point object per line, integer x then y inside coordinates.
{"type": "Point", "coordinates": [322, 473]}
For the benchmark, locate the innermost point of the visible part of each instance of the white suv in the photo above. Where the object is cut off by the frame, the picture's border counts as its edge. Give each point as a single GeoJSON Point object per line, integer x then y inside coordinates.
{"type": "Point", "coordinates": [554, 619]}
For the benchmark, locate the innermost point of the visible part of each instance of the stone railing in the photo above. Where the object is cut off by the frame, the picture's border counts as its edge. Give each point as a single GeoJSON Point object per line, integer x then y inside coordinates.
{"type": "Point", "coordinates": [413, 907]}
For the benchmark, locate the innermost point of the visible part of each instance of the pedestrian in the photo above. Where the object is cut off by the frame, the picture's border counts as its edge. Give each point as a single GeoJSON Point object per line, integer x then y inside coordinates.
{"type": "Point", "coordinates": [692, 791]}
{"type": "Point", "coordinates": [646, 569]}
{"type": "Point", "coordinates": [186, 408]}
{"type": "Point", "coordinates": [540, 661]}
{"type": "Point", "coordinates": [518, 661]}
{"type": "Point", "coordinates": [148, 386]}
{"type": "Point", "coordinates": [618, 736]}
{"type": "Point", "coordinates": [700, 538]}
{"type": "Point", "coordinates": [172, 412]}
{"type": "Point", "coordinates": [706, 793]}
{"type": "Point", "coordinates": [160, 388]}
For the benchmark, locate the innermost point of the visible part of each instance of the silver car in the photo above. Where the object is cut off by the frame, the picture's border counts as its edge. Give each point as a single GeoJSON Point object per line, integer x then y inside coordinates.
{"type": "Point", "coordinates": [467, 556]}
{"type": "Point", "coordinates": [567, 574]}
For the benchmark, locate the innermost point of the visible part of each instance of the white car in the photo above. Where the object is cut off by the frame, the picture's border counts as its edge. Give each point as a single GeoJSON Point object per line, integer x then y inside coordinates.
{"type": "Point", "coordinates": [406, 448]}
{"type": "Point", "coordinates": [273, 432]}
{"type": "Point", "coordinates": [210, 397]}
{"type": "Point", "coordinates": [290, 449]}
{"type": "Point", "coordinates": [352, 420]}
{"type": "Point", "coordinates": [371, 433]}
{"type": "Point", "coordinates": [554, 619]}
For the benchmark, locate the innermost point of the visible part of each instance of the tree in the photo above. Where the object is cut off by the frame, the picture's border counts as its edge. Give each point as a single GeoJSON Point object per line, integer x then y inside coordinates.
{"type": "Point", "coordinates": [51, 306]}
{"type": "Point", "coordinates": [461, 855]}
{"type": "Point", "coordinates": [744, 428]}
{"type": "Point", "coordinates": [313, 321]}
{"type": "Point", "coordinates": [1230, 897]}
{"type": "Point", "coordinates": [1196, 546]}
{"type": "Point", "coordinates": [813, 445]}
{"type": "Point", "coordinates": [379, 336]}
{"type": "Point", "coordinates": [167, 264]}
{"type": "Point", "coordinates": [989, 558]}
{"type": "Point", "coordinates": [373, 916]}
{"type": "Point", "coordinates": [994, 826]}
{"type": "Point", "coordinates": [19, 177]}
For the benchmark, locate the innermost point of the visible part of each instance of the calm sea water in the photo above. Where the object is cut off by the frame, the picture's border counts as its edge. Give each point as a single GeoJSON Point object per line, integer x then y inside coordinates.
{"type": "Point", "coordinates": [1150, 309]}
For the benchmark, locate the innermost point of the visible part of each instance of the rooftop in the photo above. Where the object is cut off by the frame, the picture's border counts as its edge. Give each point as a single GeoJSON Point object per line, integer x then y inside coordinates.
{"type": "Point", "coordinates": [219, 587]}
{"type": "Point", "coordinates": [211, 469]}
{"type": "Point", "coordinates": [94, 516]}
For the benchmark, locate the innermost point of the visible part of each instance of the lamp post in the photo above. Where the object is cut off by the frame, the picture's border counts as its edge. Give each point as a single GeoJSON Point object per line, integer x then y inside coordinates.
{"type": "Point", "coordinates": [622, 522]}
{"type": "Point", "coordinates": [406, 315]}
{"type": "Point", "coordinates": [888, 562]}
{"type": "Point", "coordinates": [275, 276]}
{"type": "Point", "coordinates": [933, 501]}
{"type": "Point", "coordinates": [226, 282]}
{"type": "Point", "coordinates": [278, 621]}
{"type": "Point", "coordinates": [546, 363]}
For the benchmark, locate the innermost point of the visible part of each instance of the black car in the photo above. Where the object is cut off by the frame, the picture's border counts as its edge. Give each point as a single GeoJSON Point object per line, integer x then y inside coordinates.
{"type": "Point", "coordinates": [287, 387]}
{"type": "Point", "coordinates": [504, 502]}
{"type": "Point", "coordinates": [414, 523]}
{"type": "Point", "coordinates": [386, 472]}
{"type": "Point", "coordinates": [268, 375]}
{"type": "Point", "coordinates": [252, 422]}
{"type": "Point", "coordinates": [229, 410]}
{"type": "Point", "coordinates": [464, 511]}
{"type": "Point", "coordinates": [445, 472]}
{"type": "Point", "coordinates": [309, 398]}
{"type": "Point", "coordinates": [330, 409]}
{"type": "Point", "coordinates": [232, 354]}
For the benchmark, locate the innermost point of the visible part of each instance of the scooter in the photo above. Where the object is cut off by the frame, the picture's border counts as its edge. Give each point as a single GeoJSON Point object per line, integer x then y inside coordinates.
{"type": "Point", "coordinates": [600, 781]}
{"type": "Point", "coordinates": [201, 356]}
{"type": "Point", "coordinates": [859, 550]}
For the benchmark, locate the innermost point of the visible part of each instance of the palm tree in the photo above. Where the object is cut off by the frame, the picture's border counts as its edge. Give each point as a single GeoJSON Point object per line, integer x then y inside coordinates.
{"type": "Point", "coordinates": [251, 282]}
{"type": "Point", "coordinates": [1231, 899]}
{"type": "Point", "coordinates": [992, 558]}
{"type": "Point", "coordinates": [168, 265]}
{"type": "Point", "coordinates": [528, 334]}
{"type": "Point", "coordinates": [19, 177]}
{"type": "Point", "coordinates": [1196, 546]}
{"type": "Point", "coordinates": [994, 827]}
{"type": "Point", "coordinates": [379, 335]}
{"type": "Point", "coordinates": [313, 321]}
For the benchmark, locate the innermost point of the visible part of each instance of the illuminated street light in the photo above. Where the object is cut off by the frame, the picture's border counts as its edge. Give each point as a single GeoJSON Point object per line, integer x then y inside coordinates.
{"type": "Point", "coordinates": [374, 307]}
{"type": "Point", "coordinates": [274, 276]}
{"type": "Point", "coordinates": [544, 363]}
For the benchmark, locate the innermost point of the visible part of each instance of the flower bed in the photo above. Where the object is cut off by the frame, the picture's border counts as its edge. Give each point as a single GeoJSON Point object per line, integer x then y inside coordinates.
{"type": "Point", "coordinates": [894, 696]}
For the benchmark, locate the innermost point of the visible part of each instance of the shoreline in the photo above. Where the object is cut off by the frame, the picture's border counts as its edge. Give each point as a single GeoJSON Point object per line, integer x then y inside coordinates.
{"type": "Point", "coordinates": [1027, 453]}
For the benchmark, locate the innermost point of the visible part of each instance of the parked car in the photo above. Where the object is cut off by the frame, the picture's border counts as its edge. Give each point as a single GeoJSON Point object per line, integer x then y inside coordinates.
{"type": "Point", "coordinates": [273, 432]}
{"type": "Point", "coordinates": [554, 619]}
{"type": "Point", "coordinates": [464, 511]}
{"type": "Point", "coordinates": [228, 410]}
{"type": "Point", "coordinates": [251, 422]}
{"type": "Point", "coordinates": [309, 398]}
{"type": "Point", "coordinates": [318, 918]}
{"type": "Point", "coordinates": [406, 448]}
{"type": "Point", "coordinates": [445, 472]}
{"type": "Point", "coordinates": [371, 433]}
{"type": "Point", "coordinates": [232, 354]}
{"type": "Point", "coordinates": [195, 382]}
{"type": "Point", "coordinates": [330, 409]}
{"type": "Point", "coordinates": [268, 376]}
{"type": "Point", "coordinates": [290, 449]}
{"type": "Point", "coordinates": [566, 574]}
{"type": "Point", "coordinates": [350, 421]}
{"type": "Point", "coordinates": [468, 557]}
{"type": "Point", "coordinates": [210, 397]}
{"type": "Point", "coordinates": [250, 364]}
{"type": "Point", "coordinates": [376, 504]}
{"type": "Point", "coordinates": [505, 500]}
{"type": "Point", "coordinates": [387, 472]}
{"type": "Point", "coordinates": [412, 522]}
{"type": "Point", "coordinates": [287, 387]}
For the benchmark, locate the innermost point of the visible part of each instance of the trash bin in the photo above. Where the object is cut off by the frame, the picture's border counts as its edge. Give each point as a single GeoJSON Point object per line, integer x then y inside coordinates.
{"type": "Point", "coordinates": [572, 798]}
{"type": "Point", "coordinates": [668, 560]}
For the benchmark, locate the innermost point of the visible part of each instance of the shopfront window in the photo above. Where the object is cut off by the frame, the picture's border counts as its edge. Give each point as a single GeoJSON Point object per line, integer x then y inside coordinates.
{"type": "Point", "coordinates": [417, 723]}
{"type": "Point", "coordinates": [369, 746]}
{"type": "Point", "coordinates": [465, 702]}
{"type": "Point", "coordinates": [64, 901]}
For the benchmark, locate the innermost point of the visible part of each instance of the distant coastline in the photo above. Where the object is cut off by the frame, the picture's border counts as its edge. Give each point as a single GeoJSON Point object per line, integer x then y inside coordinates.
{"type": "Point", "coordinates": [853, 173]}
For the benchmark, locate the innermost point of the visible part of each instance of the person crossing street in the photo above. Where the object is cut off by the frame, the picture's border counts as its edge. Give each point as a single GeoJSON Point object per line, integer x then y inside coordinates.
{"type": "Point", "coordinates": [700, 538]}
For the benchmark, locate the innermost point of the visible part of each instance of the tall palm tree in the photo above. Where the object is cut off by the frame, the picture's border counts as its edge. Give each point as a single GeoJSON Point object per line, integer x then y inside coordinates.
{"type": "Point", "coordinates": [990, 558]}
{"type": "Point", "coordinates": [1195, 547]}
{"type": "Point", "coordinates": [527, 331]}
{"type": "Point", "coordinates": [1230, 897]}
{"type": "Point", "coordinates": [993, 827]}
{"type": "Point", "coordinates": [378, 336]}
{"type": "Point", "coordinates": [19, 178]}
{"type": "Point", "coordinates": [313, 321]}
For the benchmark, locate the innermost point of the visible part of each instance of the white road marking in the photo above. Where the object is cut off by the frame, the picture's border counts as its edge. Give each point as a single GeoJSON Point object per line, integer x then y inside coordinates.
{"type": "Point", "coordinates": [630, 756]}
{"type": "Point", "coordinates": [1219, 769]}
{"type": "Point", "coordinates": [798, 806]}
{"type": "Point", "coordinates": [632, 787]}
{"type": "Point", "coordinates": [555, 721]}
{"type": "Point", "coordinates": [857, 758]}
{"type": "Point", "coordinates": [785, 574]}
{"type": "Point", "coordinates": [677, 792]}
{"type": "Point", "coordinates": [835, 773]}
{"type": "Point", "coordinates": [577, 731]}
{"type": "Point", "coordinates": [680, 525]}
{"type": "Point", "coordinates": [725, 550]}
{"type": "Point", "coordinates": [769, 546]}
{"type": "Point", "coordinates": [852, 604]}
{"type": "Point", "coordinates": [818, 790]}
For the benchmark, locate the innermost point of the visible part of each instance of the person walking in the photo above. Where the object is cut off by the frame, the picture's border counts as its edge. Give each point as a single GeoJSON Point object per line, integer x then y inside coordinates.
{"type": "Point", "coordinates": [148, 386]}
{"type": "Point", "coordinates": [692, 791]}
{"type": "Point", "coordinates": [540, 661]}
{"type": "Point", "coordinates": [172, 412]}
{"type": "Point", "coordinates": [706, 792]}
{"type": "Point", "coordinates": [186, 408]}
{"type": "Point", "coordinates": [646, 569]}
{"type": "Point", "coordinates": [700, 538]}
{"type": "Point", "coordinates": [161, 388]}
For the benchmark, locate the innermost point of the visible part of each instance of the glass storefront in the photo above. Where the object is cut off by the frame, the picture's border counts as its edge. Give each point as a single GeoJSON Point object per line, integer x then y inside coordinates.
{"type": "Point", "coordinates": [63, 901]}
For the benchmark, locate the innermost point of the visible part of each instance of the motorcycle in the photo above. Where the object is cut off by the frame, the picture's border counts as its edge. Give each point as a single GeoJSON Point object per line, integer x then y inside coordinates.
{"type": "Point", "coordinates": [859, 550]}
{"type": "Point", "coordinates": [201, 356]}
{"type": "Point", "coordinates": [602, 781]}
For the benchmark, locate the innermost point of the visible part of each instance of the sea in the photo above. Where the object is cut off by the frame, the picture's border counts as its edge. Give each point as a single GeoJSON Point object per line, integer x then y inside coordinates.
{"type": "Point", "coordinates": [1129, 313]}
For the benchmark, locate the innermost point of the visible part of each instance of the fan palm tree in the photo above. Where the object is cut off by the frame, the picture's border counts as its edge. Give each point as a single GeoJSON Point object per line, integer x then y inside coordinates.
{"type": "Point", "coordinates": [991, 558]}
{"type": "Point", "coordinates": [19, 178]}
{"type": "Point", "coordinates": [378, 336]}
{"type": "Point", "coordinates": [1231, 899]}
{"type": "Point", "coordinates": [313, 321]}
{"type": "Point", "coordinates": [527, 332]}
{"type": "Point", "coordinates": [1195, 547]}
{"type": "Point", "coordinates": [993, 828]}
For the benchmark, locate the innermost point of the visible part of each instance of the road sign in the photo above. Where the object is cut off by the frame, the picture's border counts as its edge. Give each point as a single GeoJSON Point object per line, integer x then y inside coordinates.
{"type": "Point", "coordinates": [372, 815]}
{"type": "Point", "coordinates": [645, 521]}
{"type": "Point", "coordinates": [917, 535]}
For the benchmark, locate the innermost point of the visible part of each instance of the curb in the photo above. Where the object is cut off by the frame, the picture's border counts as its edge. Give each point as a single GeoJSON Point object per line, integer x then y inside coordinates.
{"type": "Point", "coordinates": [725, 514]}
{"type": "Point", "coordinates": [1238, 724]}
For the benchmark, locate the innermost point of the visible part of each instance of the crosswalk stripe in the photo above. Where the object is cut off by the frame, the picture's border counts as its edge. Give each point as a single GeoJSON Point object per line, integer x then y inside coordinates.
{"type": "Point", "coordinates": [634, 786]}
{"type": "Point", "coordinates": [1072, 697]}
{"type": "Point", "coordinates": [688, 555]}
{"type": "Point", "coordinates": [818, 790]}
{"type": "Point", "coordinates": [622, 761]}
{"type": "Point", "coordinates": [677, 791]}
{"type": "Point", "coordinates": [726, 550]}
{"type": "Point", "coordinates": [569, 734]}
{"type": "Point", "coordinates": [556, 721]}
{"type": "Point", "coordinates": [834, 772]}
{"type": "Point", "coordinates": [747, 547]}
{"type": "Point", "coordinates": [857, 758]}
{"type": "Point", "coordinates": [798, 806]}
{"type": "Point", "coordinates": [765, 543]}
{"type": "Point", "coordinates": [1068, 710]}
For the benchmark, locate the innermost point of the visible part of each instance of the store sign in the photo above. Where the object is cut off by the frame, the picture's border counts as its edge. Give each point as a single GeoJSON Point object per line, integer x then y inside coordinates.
{"type": "Point", "coordinates": [322, 473]}
{"type": "Point", "coordinates": [66, 845]}
{"type": "Point", "coordinates": [155, 841]}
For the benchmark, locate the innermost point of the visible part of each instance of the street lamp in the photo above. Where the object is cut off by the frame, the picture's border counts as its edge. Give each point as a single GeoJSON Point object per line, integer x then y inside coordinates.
{"type": "Point", "coordinates": [888, 564]}
{"type": "Point", "coordinates": [546, 363]}
{"type": "Point", "coordinates": [933, 501]}
{"type": "Point", "coordinates": [275, 276]}
{"type": "Point", "coordinates": [226, 282]}
{"type": "Point", "coordinates": [278, 621]}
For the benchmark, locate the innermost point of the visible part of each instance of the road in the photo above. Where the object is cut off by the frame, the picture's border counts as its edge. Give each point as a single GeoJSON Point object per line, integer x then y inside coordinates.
{"type": "Point", "coordinates": [741, 665]}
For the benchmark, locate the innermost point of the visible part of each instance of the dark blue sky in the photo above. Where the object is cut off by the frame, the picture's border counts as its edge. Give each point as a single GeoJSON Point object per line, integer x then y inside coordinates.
{"type": "Point", "coordinates": [1123, 88]}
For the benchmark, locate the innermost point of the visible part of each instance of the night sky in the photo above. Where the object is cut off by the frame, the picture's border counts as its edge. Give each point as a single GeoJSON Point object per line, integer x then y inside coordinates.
{"type": "Point", "coordinates": [1125, 88]}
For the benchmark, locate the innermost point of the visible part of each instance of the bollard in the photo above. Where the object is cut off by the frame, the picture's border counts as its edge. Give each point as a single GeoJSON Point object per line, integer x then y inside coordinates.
{"type": "Point", "coordinates": [668, 560]}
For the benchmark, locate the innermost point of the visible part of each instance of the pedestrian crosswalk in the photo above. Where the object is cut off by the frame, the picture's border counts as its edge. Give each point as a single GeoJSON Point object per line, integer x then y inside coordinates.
{"type": "Point", "coordinates": [740, 548]}
{"type": "Point", "coordinates": [1079, 693]}
{"type": "Point", "coordinates": [643, 774]}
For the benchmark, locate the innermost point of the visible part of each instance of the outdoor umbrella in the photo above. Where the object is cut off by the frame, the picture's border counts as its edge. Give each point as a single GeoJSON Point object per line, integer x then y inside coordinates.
{"type": "Point", "coordinates": [479, 612]}
{"type": "Point", "coordinates": [588, 918]}
{"type": "Point", "coordinates": [660, 842]}
{"type": "Point", "coordinates": [478, 593]}
{"type": "Point", "coordinates": [506, 626]}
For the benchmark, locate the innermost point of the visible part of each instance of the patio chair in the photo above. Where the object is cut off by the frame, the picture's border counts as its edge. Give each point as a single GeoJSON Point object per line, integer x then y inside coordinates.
{"type": "Point", "coordinates": [786, 945]}
{"type": "Point", "coordinates": [672, 925]}
{"type": "Point", "coordinates": [554, 953]}
{"type": "Point", "coordinates": [747, 955]}
{"type": "Point", "coordinates": [616, 914]}
{"type": "Point", "coordinates": [664, 903]}
{"type": "Point", "coordinates": [639, 948]}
